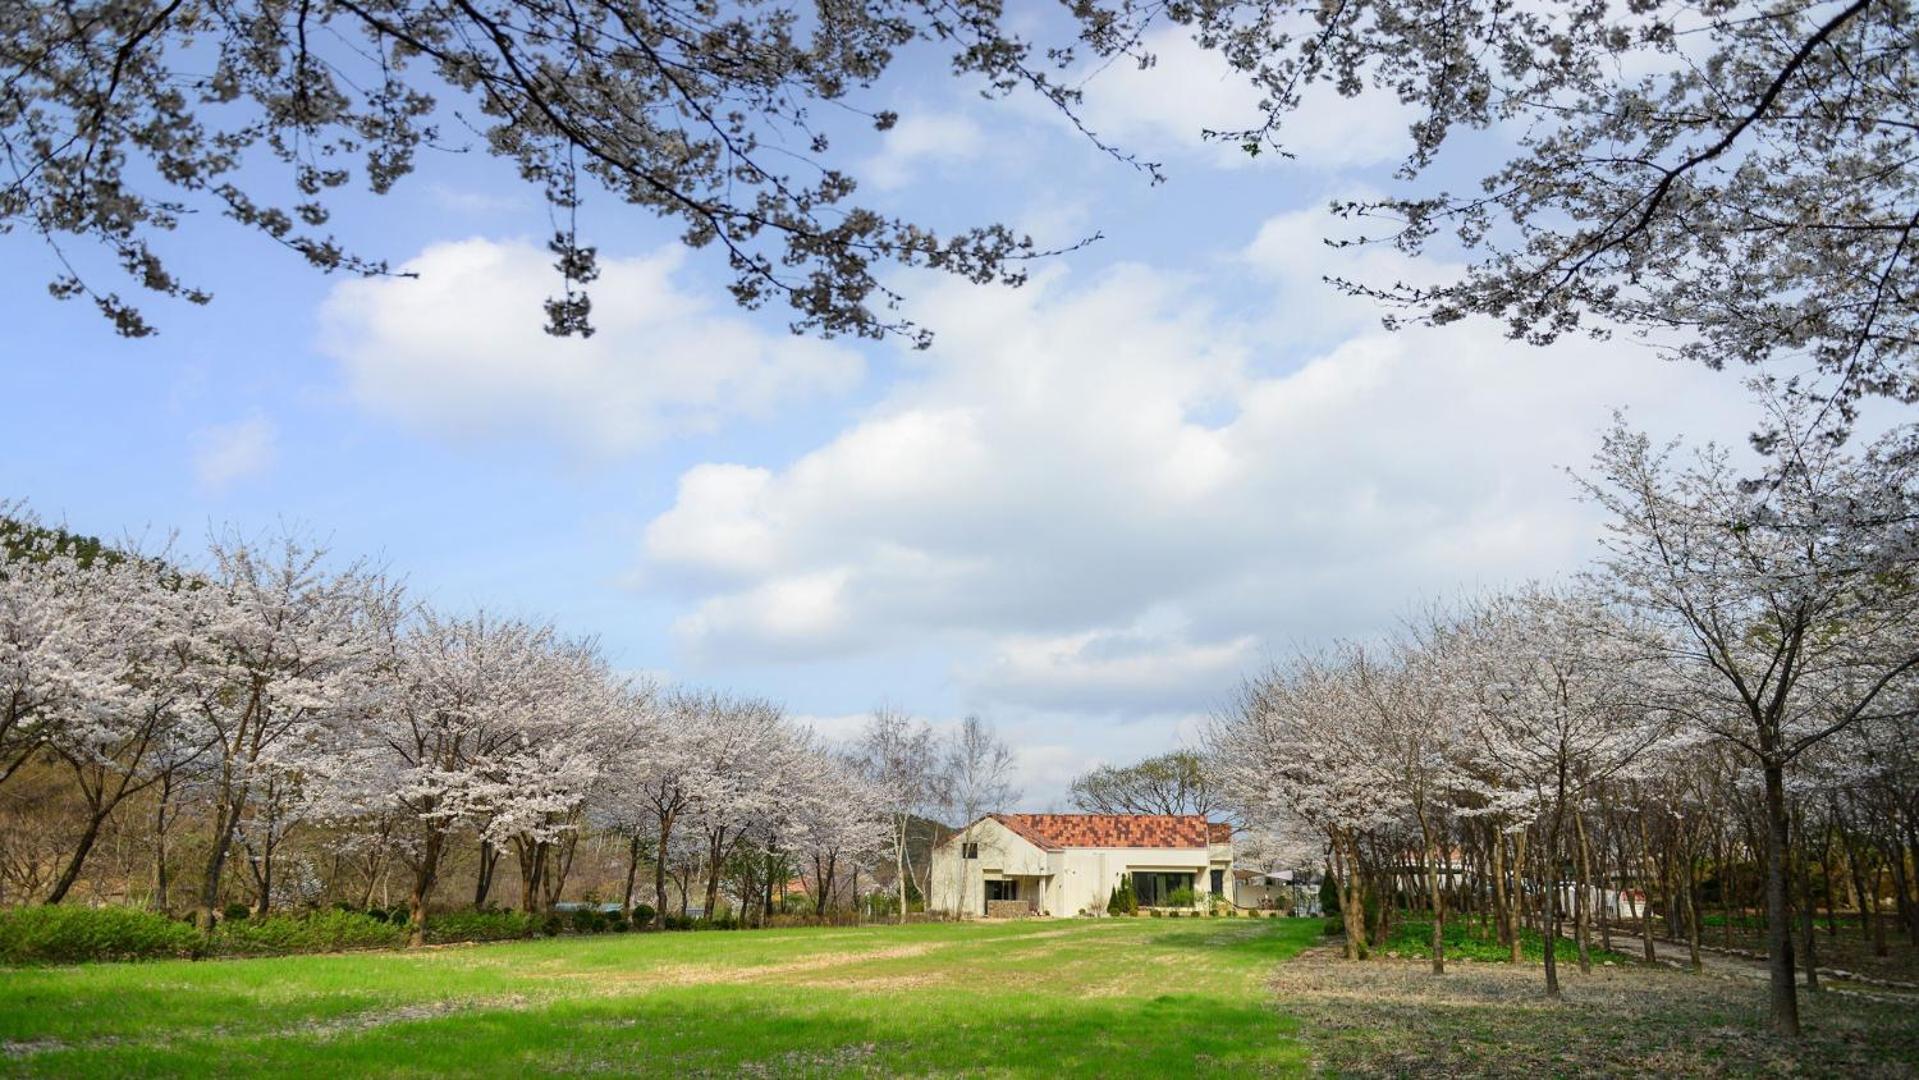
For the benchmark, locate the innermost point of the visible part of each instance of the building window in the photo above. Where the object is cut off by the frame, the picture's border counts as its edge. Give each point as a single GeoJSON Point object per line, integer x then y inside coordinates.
{"type": "Point", "coordinates": [969, 851]}
{"type": "Point", "coordinates": [1219, 882]}
{"type": "Point", "coordinates": [1154, 889]}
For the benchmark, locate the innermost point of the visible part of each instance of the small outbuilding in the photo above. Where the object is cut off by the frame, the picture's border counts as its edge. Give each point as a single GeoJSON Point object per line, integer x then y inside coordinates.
{"type": "Point", "coordinates": [1006, 865]}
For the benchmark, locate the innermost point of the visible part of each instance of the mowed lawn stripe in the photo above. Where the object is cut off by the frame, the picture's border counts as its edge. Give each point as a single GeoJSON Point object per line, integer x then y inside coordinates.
{"type": "Point", "coordinates": [1110, 997]}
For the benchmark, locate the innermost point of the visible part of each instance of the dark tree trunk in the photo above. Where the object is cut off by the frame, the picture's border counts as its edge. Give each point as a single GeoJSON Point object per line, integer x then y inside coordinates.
{"type": "Point", "coordinates": [72, 872]}
{"type": "Point", "coordinates": [423, 878]}
{"type": "Point", "coordinates": [483, 880]}
{"type": "Point", "coordinates": [659, 871]}
{"type": "Point", "coordinates": [1785, 991]}
{"type": "Point", "coordinates": [632, 874]}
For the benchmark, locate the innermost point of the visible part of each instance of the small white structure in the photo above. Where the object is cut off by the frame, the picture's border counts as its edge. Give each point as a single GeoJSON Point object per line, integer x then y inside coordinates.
{"type": "Point", "coordinates": [1069, 864]}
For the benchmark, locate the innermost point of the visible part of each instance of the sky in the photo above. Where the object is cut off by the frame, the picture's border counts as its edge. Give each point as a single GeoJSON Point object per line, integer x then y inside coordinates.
{"type": "Point", "coordinates": [1097, 503]}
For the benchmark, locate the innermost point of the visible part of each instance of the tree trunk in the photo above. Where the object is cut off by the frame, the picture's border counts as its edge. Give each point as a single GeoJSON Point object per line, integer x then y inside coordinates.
{"type": "Point", "coordinates": [422, 893]}
{"type": "Point", "coordinates": [659, 871]}
{"type": "Point", "coordinates": [632, 874]}
{"type": "Point", "coordinates": [1785, 991]}
{"type": "Point", "coordinates": [1436, 900]}
{"type": "Point", "coordinates": [1582, 898]}
{"type": "Point", "coordinates": [1689, 904]}
{"type": "Point", "coordinates": [72, 873]}
{"type": "Point", "coordinates": [899, 867]}
{"type": "Point", "coordinates": [1501, 917]}
{"type": "Point", "coordinates": [483, 880]}
{"type": "Point", "coordinates": [160, 899]}
{"type": "Point", "coordinates": [1518, 896]}
{"type": "Point", "coordinates": [1549, 875]}
{"type": "Point", "coordinates": [1806, 925]}
{"type": "Point", "coordinates": [226, 819]}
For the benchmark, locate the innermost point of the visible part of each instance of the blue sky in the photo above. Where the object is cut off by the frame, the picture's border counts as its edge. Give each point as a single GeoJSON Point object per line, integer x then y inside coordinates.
{"type": "Point", "coordinates": [1085, 513]}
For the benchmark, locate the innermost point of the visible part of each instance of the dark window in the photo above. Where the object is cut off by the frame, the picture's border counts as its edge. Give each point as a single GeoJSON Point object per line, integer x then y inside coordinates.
{"type": "Point", "coordinates": [969, 851]}
{"type": "Point", "coordinates": [1002, 890]}
{"type": "Point", "coordinates": [1219, 882]}
{"type": "Point", "coordinates": [1153, 887]}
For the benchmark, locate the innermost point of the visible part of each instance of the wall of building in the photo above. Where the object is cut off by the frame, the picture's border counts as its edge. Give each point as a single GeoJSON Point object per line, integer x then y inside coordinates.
{"type": "Point", "coordinates": [1067, 882]}
{"type": "Point", "coordinates": [960, 884]}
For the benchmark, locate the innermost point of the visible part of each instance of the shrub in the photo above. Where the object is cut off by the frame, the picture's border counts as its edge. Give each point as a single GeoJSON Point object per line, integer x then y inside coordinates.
{"type": "Point", "coordinates": [552, 925]}
{"type": "Point", "coordinates": [642, 914]}
{"type": "Point", "coordinates": [1124, 901]}
{"type": "Point", "coordinates": [318, 931]}
{"type": "Point", "coordinates": [588, 921]}
{"type": "Point", "coordinates": [1180, 898]}
{"type": "Point", "coordinates": [478, 926]}
{"type": "Point", "coordinates": [677, 922]}
{"type": "Point", "coordinates": [236, 912]}
{"type": "Point", "coordinates": [60, 934]}
{"type": "Point", "coordinates": [1232, 913]}
{"type": "Point", "coordinates": [1335, 925]}
{"type": "Point", "coordinates": [1328, 895]}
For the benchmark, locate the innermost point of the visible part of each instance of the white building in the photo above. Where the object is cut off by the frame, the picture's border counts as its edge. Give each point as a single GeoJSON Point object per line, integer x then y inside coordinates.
{"type": "Point", "coordinates": [1069, 864]}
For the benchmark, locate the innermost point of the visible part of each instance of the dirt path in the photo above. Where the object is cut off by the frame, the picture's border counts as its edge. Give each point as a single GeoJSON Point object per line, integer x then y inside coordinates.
{"type": "Point", "coordinates": [1734, 966]}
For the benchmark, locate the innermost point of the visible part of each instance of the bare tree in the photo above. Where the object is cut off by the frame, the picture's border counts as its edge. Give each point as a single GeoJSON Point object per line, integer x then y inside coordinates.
{"type": "Point", "coordinates": [977, 776]}
{"type": "Point", "coordinates": [900, 756]}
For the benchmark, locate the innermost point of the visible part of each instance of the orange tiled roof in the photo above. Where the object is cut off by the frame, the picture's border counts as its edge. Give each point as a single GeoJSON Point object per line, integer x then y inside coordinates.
{"type": "Point", "coordinates": [1056, 831]}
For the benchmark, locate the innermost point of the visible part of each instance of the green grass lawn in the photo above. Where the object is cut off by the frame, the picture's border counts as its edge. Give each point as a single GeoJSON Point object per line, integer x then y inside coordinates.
{"type": "Point", "coordinates": [1118, 997]}
{"type": "Point", "coordinates": [1467, 939]}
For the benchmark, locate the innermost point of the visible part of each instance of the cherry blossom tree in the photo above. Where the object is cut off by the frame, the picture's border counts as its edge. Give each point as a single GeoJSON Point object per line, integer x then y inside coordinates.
{"type": "Point", "coordinates": [1739, 173]}
{"type": "Point", "coordinates": [1559, 711]}
{"type": "Point", "coordinates": [287, 644]}
{"type": "Point", "coordinates": [1787, 604]}
{"type": "Point", "coordinates": [1291, 748]}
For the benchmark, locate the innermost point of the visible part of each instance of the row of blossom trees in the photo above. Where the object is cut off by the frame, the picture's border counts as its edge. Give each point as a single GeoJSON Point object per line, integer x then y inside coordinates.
{"type": "Point", "coordinates": [264, 695]}
{"type": "Point", "coordinates": [1737, 676]}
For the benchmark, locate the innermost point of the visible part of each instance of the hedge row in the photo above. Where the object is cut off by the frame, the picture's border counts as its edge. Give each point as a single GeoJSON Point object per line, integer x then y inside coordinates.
{"type": "Point", "coordinates": [64, 934]}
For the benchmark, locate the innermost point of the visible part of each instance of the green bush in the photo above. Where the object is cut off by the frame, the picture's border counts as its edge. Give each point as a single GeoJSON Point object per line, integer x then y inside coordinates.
{"type": "Point", "coordinates": [642, 914]}
{"type": "Point", "coordinates": [1328, 895]}
{"type": "Point", "coordinates": [1124, 901]}
{"type": "Point", "coordinates": [61, 935]}
{"type": "Point", "coordinates": [552, 926]}
{"type": "Point", "coordinates": [588, 921]}
{"type": "Point", "coordinates": [1182, 898]}
{"type": "Point", "coordinates": [318, 931]}
{"type": "Point", "coordinates": [236, 912]}
{"type": "Point", "coordinates": [677, 922]}
{"type": "Point", "coordinates": [478, 926]}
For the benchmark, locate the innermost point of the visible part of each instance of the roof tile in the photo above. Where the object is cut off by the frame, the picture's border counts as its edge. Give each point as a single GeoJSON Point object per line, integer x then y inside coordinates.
{"type": "Point", "coordinates": [1056, 831]}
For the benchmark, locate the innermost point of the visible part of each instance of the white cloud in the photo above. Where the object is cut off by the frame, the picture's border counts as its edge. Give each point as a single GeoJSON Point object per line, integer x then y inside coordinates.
{"type": "Point", "coordinates": [1133, 670]}
{"type": "Point", "coordinates": [226, 454]}
{"type": "Point", "coordinates": [460, 351]}
{"type": "Point", "coordinates": [1109, 495]}
{"type": "Point", "coordinates": [919, 139]}
{"type": "Point", "coordinates": [1167, 107]}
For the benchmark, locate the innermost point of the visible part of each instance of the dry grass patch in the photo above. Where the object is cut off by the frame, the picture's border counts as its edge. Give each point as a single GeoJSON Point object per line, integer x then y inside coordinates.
{"type": "Point", "coordinates": [1394, 1017]}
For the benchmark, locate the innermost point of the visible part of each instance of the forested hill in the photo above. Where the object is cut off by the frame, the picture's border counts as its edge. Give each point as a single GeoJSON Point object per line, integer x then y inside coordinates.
{"type": "Point", "coordinates": [21, 539]}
